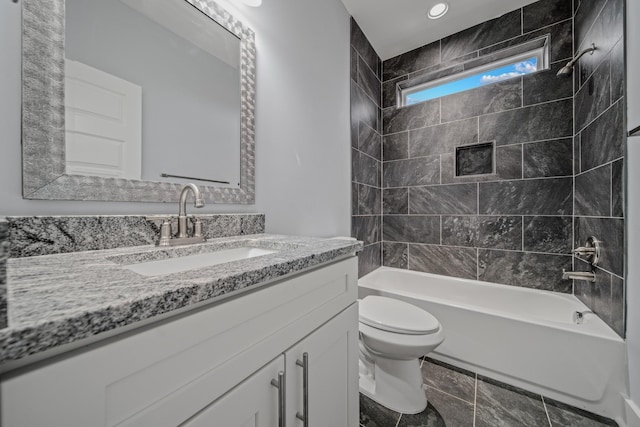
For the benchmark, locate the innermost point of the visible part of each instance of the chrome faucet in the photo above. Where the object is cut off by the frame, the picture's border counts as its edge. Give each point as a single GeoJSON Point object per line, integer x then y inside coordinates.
{"type": "Point", "coordinates": [183, 237]}
{"type": "Point", "coordinates": [579, 275]}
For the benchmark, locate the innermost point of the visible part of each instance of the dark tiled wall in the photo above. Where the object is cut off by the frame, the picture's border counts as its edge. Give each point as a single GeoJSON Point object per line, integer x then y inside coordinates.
{"type": "Point", "coordinates": [599, 153]}
{"type": "Point", "coordinates": [4, 254]}
{"type": "Point", "coordinates": [514, 226]}
{"type": "Point", "coordinates": [366, 149]}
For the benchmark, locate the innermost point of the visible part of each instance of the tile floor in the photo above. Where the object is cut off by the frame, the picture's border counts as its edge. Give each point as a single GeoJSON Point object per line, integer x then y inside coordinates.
{"type": "Point", "coordinates": [459, 398]}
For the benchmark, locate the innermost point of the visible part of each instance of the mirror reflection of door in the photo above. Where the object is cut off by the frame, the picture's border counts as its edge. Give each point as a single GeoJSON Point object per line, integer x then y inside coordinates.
{"type": "Point", "coordinates": [187, 69]}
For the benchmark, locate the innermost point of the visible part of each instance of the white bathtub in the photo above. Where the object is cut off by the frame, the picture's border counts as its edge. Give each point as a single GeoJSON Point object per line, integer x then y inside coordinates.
{"type": "Point", "coordinates": [520, 336]}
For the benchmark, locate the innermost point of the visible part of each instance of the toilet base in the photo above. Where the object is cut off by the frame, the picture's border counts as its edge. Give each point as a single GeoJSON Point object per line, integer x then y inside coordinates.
{"type": "Point", "coordinates": [394, 384]}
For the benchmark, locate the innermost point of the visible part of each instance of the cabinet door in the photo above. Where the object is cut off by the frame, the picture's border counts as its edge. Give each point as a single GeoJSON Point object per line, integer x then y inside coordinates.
{"type": "Point", "coordinates": [332, 353]}
{"type": "Point", "coordinates": [253, 403]}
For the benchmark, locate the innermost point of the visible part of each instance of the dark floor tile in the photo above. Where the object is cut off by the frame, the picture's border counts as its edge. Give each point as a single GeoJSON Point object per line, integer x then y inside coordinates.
{"type": "Point", "coordinates": [548, 158]}
{"type": "Point", "coordinates": [395, 146]}
{"type": "Point", "coordinates": [369, 200]}
{"type": "Point", "coordinates": [442, 411]}
{"type": "Point", "coordinates": [550, 234]}
{"type": "Point", "coordinates": [369, 259]}
{"type": "Point", "coordinates": [411, 117]}
{"type": "Point", "coordinates": [499, 406]}
{"type": "Point", "coordinates": [553, 196]}
{"type": "Point", "coordinates": [366, 228]}
{"type": "Point", "coordinates": [593, 192]}
{"type": "Point", "coordinates": [545, 86]}
{"type": "Point", "coordinates": [412, 172]}
{"type": "Point", "coordinates": [395, 201]}
{"type": "Point", "coordinates": [603, 140]}
{"type": "Point", "coordinates": [368, 81]}
{"type": "Point", "coordinates": [610, 232]}
{"type": "Point", "coordinates": [361, 44]}
{"type": "Point", "coordinates": [487, 99]}
{"type": "Point", "coordinates": [375, 415]}
{"type": "Point", "coordinates": [504, 27]}
{"type": "Point", "coordinates": [395, 254]}
{"type": "Point", "coordinates": [545, 12]}
{"type": "Point", "coordinates": [529, 270]}
{"type": "Point", "coordinates": [414, 60]}
{"type": "Point", "coordinates": [449, 379]}
{"type": "Point", "coordinates": [594, 97]}
{"type": "Point", "coordinates": [443, 138]}
{"type": "Point", "coordinates": [562, 415]}
{"type": "Point", "coordinates": [446, 260]}
{"type": "Point", "coordinates": [535, 123]}
{"type": "Point", "coordinates": [444, 199]}
{"type": "Point", "coordinates": [411, 229]}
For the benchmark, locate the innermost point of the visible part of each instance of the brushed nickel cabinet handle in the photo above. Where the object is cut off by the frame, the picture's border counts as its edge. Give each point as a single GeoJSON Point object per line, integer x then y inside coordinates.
{"type": "Point", "coordinates": [282, 396]}
{"type": "Point", "coordinates": [304, 416]}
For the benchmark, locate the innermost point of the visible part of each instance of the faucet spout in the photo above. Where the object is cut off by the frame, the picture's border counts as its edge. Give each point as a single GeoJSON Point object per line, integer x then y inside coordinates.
{"type": "Point", "coordinates": [182, 216]}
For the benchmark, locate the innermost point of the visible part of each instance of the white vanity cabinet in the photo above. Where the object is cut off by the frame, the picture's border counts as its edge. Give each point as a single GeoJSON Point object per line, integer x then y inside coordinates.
{"type": "Point", "coordinates": [213, 366]}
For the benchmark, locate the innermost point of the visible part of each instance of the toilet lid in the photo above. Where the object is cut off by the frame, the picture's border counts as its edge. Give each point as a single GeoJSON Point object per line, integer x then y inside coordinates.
{"type": "Point", "coordinates": [396, 316]}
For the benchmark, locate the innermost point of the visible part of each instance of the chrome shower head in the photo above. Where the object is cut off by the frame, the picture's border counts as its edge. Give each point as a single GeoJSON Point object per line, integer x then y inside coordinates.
{"type": "Point", "coordinates": [567, 70]}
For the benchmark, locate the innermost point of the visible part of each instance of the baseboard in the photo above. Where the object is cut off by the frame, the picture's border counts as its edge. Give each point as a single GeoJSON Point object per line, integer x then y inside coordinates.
{"type": "Point", "coordinates": [632, 413]}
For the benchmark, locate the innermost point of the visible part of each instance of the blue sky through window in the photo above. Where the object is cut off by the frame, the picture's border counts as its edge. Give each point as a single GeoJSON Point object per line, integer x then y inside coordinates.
{"type": "Point", "coordinates": [506, 72]}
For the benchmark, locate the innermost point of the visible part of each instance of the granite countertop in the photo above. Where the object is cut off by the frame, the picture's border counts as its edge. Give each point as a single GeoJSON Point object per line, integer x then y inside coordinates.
{"type": "Point", "coordinates": [60, 299]}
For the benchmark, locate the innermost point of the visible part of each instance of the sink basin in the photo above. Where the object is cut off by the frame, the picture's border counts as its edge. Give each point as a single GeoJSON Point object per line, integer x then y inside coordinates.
{"type": "Point", "coordinates": [191, 262]}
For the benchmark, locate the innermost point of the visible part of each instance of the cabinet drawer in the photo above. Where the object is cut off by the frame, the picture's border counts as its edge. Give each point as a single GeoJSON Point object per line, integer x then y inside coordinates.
{"type": "Point", "coordinates": [183, 363]}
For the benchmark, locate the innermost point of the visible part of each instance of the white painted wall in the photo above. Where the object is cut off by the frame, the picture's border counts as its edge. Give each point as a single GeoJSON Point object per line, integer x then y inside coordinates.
{"type": "Point", "coordinates": [302, 122]}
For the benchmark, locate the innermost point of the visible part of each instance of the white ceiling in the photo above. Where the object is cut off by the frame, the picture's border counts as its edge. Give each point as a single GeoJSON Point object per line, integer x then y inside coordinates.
{"type": "Point", "coordinates": [397, 26]}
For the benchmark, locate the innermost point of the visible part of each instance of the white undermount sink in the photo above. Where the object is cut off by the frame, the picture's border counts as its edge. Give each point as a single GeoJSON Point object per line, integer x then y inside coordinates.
{"type": "Point", "coordinates": [192, 262]}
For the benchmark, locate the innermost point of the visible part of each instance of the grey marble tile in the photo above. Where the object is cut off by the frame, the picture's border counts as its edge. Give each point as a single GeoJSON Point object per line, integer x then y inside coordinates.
{"type": "Point", "coordinates": [545, 86]}
{"type": "Point", "coordinates": [390, 92]}
{"type": "Point", "coordinates": [488, 33]}
{"type": "Point", "coordinates": [414, 60]}
{"type": "Point", "coordinates": [369, 82]}
{"type": "Point", "coordinates": [369, 259]}
{"type": "Point", "coordinates": [487, 99]}
{"type": "Point", "coordinates": [576, 154]}
{"type": "Point", "coordinates": [617, 71]}
{"type": "Point", "coordinates": [594, 97]}
{"type": "Point", "coordinates": [548, 158]}
{"type": "Point", "coordinates": [617, 305]}
{"type": "Point", "coordinates": [366, 228]}
{"type": "Point", "coordinates": [529, 270]}
{"type": "Point", "coordinates": [411, 229]}
{"type": "Point", "coordinates": [395, 254]}
{"type": "Point", "coordinates": [361, 44]}
{"type": "Point", "coordinates": [374, 415]}
{"type": "Point", "coordinates": [363, 109]}
{"type": "Point", "coordinates": [561, 41]}
{"type": "Point", "coordinates": [353, 67]}
{"type": "Point", "coordinates": [603, 140]}
{"type": "Point", "coordinates": [395, 146]}
{"type": "Point", "coordinates": [610, 231]}
{"type": "Point", "coordinates": [582, 289]}
{"type": "Point", "coordinates": [4, 254]}
{"type": "Point", "coordinates": [460, 231]}
{"type": "Point", "coordinates": [354, 198]}
{"type": "Point", "coordinates": [412, 172]}
{"type": "Point", "coordinates": [449, 379]}
{"type": "Point", "coordinates": [444, 199]}
{"type": "Point", "coordinates": [395, 201]}
{"type": "Point", "coordinates": [593, 192]}
{"type": "Point", "coordinates": [446, 260]}
{"type": "Point", "coordinates": [535, 123]}
{"type": "Point", "coordinates": [370, 141]}
{"type": "Point", "coordinates": [442, 138]}
{"type": "Point", "coordinates": [601, 296]}
{"type": "Point", "coordinates": [553, 196]}
{"type": "Point", "coordinates": [584, 19]}
{"type": "Point", "coordinates": [500, 406]}
{"type": "Point", "coordinates": [550, 234]}
{"type": "Point", "coordinates": [365, 169]}
{"type": "Point", "coordinates": [509, 162]}
{"type": "Point", "coordinates": [411, 117]}
{"type": "Point", "coordinates": [562, 415]}
{"type": "Point", "coordinates": [617, 189]}
{"type": "Point", "coordinates": [369, 200]}
{"type": "Point", "coordinates": [442, 411]}
{"type": "Point", "coordinates": [483, 231]}
{"type": "Point", "coordinates": [477, 159]}
{"type": "Point", "coordinates": [544, 13]}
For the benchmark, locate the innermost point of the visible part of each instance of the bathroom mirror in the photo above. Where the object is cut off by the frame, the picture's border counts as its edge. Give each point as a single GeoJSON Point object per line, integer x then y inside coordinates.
{"type": "Point", "coordinates": [104, 120]}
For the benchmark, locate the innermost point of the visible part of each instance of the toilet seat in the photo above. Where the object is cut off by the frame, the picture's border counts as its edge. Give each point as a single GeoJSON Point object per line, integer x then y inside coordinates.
{"type": "Point", "coordinates": [396, 316]}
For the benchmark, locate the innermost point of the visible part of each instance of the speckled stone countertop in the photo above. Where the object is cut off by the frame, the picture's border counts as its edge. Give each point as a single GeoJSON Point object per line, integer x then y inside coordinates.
{"type": "Point", "coordinates": [60, 299]}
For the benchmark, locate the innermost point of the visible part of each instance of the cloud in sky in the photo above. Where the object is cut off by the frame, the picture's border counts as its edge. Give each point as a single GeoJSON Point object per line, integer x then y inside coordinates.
{"type": "Point", "coordinates": [521, 68]}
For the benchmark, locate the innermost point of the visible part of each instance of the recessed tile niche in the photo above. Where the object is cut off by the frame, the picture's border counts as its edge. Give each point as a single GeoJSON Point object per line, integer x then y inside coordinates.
{"type": "Point", "coordinates": [477, 159]}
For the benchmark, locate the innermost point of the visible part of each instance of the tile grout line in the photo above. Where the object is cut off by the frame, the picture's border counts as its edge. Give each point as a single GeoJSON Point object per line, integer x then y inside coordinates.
{"type": "Point", "coordinates": [544, 405]}
{"type": "Point", "coordinates": [475, 399]}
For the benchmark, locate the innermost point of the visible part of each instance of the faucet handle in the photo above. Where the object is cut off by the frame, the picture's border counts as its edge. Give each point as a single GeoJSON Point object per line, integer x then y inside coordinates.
{"type": "Point", "coordinates": [165, 232]}
{"type": "Point", "coordinates": [197, 228]}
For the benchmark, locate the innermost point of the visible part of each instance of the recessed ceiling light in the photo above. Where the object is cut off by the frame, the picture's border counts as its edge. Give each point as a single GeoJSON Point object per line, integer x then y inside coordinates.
{"type": "Point", "coordinates": [438, 10]}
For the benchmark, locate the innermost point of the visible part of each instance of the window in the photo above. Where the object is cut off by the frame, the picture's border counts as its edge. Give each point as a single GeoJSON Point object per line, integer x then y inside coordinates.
{"type": "Point", "coordinates": [503, 65]}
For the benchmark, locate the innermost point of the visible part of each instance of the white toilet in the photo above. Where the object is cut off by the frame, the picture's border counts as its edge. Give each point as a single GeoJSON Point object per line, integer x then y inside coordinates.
{"type": "Point", "coordinates": [393, 335]}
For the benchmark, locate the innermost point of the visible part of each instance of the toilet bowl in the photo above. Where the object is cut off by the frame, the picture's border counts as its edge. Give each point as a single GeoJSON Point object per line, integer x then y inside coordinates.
{"type": "Point", "coordinates": [393, 336]}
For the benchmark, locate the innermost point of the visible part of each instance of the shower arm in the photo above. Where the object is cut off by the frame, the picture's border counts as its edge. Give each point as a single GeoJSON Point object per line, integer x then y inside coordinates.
{"type": "Point", "coordinates": [581, 54]}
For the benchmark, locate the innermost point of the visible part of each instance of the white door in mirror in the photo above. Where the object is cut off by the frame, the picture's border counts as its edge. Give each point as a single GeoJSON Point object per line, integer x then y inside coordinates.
{"type": "Point", "coordinates": [103, 115]}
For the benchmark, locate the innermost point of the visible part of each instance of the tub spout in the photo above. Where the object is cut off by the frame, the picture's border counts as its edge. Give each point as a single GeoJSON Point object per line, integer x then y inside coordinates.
{"type": "Point", "coordinates": [579, 275]}
{"type": "Point", "coordinates": [578, 316]}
